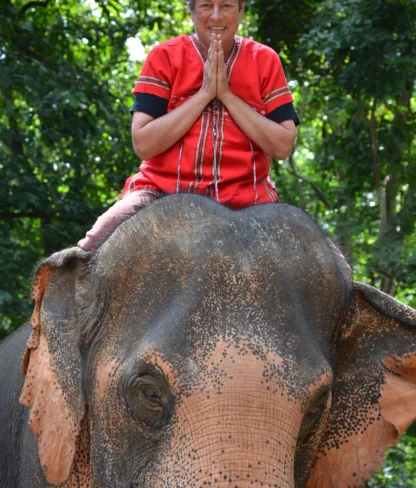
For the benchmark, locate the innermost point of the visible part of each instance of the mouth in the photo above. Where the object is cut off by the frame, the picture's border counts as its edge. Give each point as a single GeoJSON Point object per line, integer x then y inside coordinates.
{"type": "Point", "coordinates": [216, 29]}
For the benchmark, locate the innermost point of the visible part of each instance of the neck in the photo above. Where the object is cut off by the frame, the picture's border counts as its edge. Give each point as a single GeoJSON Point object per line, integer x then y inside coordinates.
{"type": "Point", "coordinates": [228, 50]}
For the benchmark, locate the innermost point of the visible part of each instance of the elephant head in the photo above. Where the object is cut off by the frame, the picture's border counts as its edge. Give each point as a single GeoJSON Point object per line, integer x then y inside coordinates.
{"type": "Point", "coordinates": [201, 346]}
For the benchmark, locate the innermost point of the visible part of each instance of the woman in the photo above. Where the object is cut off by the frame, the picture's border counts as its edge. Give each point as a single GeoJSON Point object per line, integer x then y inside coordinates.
{"type": "Point", "coordinates": [211, 110]}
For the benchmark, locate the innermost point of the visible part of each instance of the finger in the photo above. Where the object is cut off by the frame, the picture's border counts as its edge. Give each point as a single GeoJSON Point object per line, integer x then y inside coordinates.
{"type": "Point", "coordinates": [213, 53]}
{"type": "Point", "coordinates": [215, 64]}
{"type": "Point", "coordinates": [220, 48]}
{"type": "Point", "coordinates": [221, 59]}
{"type": "Point", "coordinates": [215, 44]}
{"type": "Point", "coordinates": [215, 72]}
{"type": "Point", "coordinates": [211, 47]}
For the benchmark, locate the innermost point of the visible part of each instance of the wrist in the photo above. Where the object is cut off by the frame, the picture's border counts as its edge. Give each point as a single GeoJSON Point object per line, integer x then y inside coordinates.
{"type": "Point", "coordinates": [204, 96]}
{"type": "Point", "coordinates": [227, 97]}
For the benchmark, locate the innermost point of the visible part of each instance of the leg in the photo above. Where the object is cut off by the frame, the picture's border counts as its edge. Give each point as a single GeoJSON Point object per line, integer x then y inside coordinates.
{"type": "Point", "coordinates": [108, 222]}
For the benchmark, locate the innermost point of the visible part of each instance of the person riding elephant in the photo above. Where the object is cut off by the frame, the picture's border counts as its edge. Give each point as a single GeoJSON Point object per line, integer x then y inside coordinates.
{"type": "Point", "coordinates": [211, 111]}
{"type": "Point", "coordinates": [167, 359]}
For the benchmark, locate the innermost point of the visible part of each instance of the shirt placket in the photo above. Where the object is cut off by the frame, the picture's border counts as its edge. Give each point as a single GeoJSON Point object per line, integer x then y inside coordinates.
{"type": "Point", "coordinates": [215, 118]}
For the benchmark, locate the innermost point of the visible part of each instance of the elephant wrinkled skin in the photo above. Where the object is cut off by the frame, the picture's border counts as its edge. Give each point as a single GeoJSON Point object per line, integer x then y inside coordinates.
{"type": "Point", "coordinates": [201, 346]}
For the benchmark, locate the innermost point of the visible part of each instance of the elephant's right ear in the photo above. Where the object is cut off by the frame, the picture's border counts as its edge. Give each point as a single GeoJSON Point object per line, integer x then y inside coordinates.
{"type": "Point", "coordinates": [374, 392]}
{"type": "Point", "coordinates": [53, 389]}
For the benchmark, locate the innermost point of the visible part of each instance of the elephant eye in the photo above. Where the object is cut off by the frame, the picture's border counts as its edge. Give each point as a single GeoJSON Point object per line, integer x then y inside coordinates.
{"type": "Point", "coordinates": [150, 393]}
{"type": "Point", "coordinates": [312, 417]}
{"type": "Point", "coordinates": [149, 400]}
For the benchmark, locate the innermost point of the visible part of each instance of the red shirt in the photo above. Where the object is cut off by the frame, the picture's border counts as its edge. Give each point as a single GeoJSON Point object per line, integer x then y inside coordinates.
{"type": "Point", "coordinates": [214, 158]}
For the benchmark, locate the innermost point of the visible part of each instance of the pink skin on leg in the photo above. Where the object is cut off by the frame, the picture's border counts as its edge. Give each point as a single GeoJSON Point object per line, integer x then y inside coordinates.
{"type": "Point", "coordinates": [108, 222]}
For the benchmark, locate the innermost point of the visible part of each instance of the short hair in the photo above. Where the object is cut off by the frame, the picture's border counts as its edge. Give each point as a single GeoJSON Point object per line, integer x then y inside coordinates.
{"type": "Point", "coordinates": [191, 4]}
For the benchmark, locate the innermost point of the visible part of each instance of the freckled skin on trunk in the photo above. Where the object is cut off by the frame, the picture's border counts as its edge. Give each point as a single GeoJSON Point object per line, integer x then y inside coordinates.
{"type": "Point", "coordinates": [235, 430]}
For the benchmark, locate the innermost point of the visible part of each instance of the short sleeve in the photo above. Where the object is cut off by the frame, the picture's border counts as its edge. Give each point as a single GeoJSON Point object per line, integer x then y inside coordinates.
{"type": "Point", "coordinates": [275, 90]}
{"type": "Point", "coordinates": [150, 105]}
{"type": "Point", "coordinates": [156, 75]}
{"type": "Point", "coordinates": [284, 112]}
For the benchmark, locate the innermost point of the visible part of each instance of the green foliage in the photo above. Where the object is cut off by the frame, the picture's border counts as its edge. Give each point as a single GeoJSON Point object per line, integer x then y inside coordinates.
{"type": "Point", "coordinates": [399, 470]}
{"type": "Point", "coordinates": [64, 140]}
{"type": "Point", "coordinates": [353, 65]}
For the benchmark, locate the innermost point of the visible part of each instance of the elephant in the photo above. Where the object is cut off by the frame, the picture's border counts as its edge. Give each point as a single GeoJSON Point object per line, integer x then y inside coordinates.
{"type": "Point", "coordinates": [202, 346]}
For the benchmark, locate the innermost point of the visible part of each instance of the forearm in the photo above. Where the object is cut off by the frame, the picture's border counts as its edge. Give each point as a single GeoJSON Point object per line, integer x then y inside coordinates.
{"type": "Point", "coordinates": [273, 138]}
{"type": "Point", "coordinates": [162, 133]}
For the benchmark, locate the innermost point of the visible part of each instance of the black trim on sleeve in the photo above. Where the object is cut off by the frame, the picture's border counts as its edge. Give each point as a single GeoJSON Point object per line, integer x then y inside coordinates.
{"type": "Point", "coordinates": [150, 104]}
{"type": "Point", "coordinates": [284, 112]}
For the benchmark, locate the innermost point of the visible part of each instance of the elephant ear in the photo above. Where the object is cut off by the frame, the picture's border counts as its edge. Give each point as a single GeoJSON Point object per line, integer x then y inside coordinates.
{"type": "Point", "coordinates": [374, 394]}
{"type": "Point", "coordinates": [53, 389]}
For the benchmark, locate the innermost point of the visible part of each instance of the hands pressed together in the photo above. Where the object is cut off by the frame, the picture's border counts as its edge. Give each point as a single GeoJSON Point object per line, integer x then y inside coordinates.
{"type": "Point", "coordinates": [152, 136]}
{"type": "Point", "coordinates": [215, 82]}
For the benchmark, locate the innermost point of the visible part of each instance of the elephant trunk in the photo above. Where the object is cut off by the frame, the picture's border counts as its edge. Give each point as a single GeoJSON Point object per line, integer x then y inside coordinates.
{"type": "Point", "coordinates": [237, 430]}
{"type": "Point", "coordinates": [232, 445]}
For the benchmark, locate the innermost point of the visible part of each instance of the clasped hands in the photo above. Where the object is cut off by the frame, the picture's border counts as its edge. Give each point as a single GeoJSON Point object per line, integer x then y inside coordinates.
{"type": "Point", "coordinates": [215, 82]}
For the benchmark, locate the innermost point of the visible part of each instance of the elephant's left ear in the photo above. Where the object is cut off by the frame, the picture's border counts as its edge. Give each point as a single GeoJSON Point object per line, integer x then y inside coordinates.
{"type": "Point", "coordinates": [374, 394]}
{"type": "Point", "coordinates": [53, 389]}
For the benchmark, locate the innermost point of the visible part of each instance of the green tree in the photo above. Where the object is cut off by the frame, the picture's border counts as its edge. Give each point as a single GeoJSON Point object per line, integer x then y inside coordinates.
{"type": "Point", "coordinates": [354, 63]}
{"type": "Point", "coordinates": [65, 146]}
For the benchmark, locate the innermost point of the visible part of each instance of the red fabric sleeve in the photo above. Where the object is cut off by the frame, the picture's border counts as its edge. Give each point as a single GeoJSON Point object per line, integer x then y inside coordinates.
{"type": "Point", "coordinates": [274, 88]}
{"type": "Point", "coordinates": [156, 76]}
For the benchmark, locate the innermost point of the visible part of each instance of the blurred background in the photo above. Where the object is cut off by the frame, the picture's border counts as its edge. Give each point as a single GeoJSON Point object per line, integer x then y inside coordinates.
{"type": "Point", "coordinates": [67, 69]}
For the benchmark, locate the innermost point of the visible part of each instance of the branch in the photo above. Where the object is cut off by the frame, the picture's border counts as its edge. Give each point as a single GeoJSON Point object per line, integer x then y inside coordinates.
{"type": "Point", "coordinates": [26, 50]}
{"type": "Point", "coordinates": [381, 192]}
{"type": "Point", "coordinates": [407, 212]}
{"type": "Point", "coordinates": [292, 162]}
{"type": "Point", "coordinates": [318, 191]}
{"type": "Point", "coordinates": [116, 6]}
{"type": "Point", "coordinates": [24, 215]}
{"type": "Point", "coordinates": [292, 165]}
{"type": "Point", "coordinates": [30, 5]}
{"type": "Point", "coordinates": [15, 143]}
